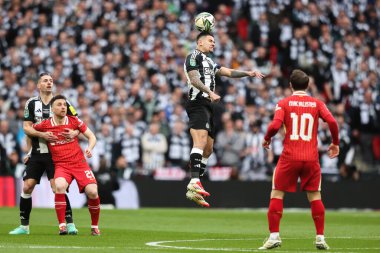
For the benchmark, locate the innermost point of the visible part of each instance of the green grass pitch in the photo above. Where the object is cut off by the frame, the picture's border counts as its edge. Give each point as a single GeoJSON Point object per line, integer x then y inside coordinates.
{"type": "Point", "coordinates": [189, 230]}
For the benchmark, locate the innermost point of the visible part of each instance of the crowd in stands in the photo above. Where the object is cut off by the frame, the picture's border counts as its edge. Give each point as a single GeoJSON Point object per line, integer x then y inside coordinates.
{"type": "Point", "coordinates": [120, 63]}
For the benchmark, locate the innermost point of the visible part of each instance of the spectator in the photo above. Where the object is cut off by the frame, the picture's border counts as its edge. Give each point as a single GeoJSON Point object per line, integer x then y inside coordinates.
{"type": "Point", "coordinates": [154, 147]}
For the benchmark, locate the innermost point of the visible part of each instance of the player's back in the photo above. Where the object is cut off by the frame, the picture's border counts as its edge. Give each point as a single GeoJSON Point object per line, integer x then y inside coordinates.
{"type": "Point", "coordinates": [301, 116]}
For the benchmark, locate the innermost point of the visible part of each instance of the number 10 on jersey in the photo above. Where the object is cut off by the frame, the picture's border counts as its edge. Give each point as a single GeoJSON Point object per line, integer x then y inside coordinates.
{"type": "Point", "coordinates": [305, 129]}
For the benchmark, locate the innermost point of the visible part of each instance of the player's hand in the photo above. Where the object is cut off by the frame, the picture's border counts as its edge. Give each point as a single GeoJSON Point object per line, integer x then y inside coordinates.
{"type": "Point", "coordinates": [333, 151]}
{"type": "Point", "coordinates": [214, 97]}
{"type": "Point", "coordinates": [266, 144]}
{"type": "Point", "coordinates": [69, 134]}
{"type": "Point", "coordinates": [49, 136]}
{"type": "Point", "coordinates": [88, 153]}
{"type": "Point", "coordinates": [256, 73]}
{"type": "Point", "coordinates": [26, 158]}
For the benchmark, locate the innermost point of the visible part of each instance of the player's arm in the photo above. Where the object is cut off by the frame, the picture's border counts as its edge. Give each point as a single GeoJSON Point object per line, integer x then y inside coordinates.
{"type": "Point", "coordinates": [33, 131]}
{"type": "Point", "coordinates": [195, 80]}
{"type": "Point", "coordinates": [28, 148]}
{"type": "Point", "coordinates": [91, 141]}
{"type": "Point", "coordinates": [274, 126]}
{"type": "Point", "coordinates": [233, 73]}
{"type": "Point", "coordinates": [333, 150]}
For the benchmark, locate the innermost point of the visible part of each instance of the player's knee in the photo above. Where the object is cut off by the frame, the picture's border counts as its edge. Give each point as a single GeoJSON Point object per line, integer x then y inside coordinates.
{"type": "Point", "coordinates": [91, 191]}
{"type": "Point", "coordinates": [92, 194]}
{"type": "Point", "coordinates": [28, 187]}
{"type": "Point", "coordinates": [60, 188]}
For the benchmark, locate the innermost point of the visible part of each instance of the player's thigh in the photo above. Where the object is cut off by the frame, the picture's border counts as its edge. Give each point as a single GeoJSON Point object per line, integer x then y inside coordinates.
{"type": "Point", "coordinates": [285, 175]}
{"type": "Point", "coordinates": [200, 116]}
{"type": "Point", "coordinates": [311, 177]}
{"type": "Point", "coordinates": [34, 169]}
{"type": "Point", "coordinates": [64, 172]}
{"type": "Point", "coordinates": [84, 176]}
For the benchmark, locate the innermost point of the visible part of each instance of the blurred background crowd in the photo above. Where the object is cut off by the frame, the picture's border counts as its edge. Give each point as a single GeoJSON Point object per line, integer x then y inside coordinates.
{"type": "Point", "coordinates": [120, 63]}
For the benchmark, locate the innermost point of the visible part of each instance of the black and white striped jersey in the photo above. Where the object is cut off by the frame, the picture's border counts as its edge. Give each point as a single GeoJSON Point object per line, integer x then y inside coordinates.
{"type": "Point", "coordinates": [207, 69]}
{"type": "Point", "coordinates": [36, 111]}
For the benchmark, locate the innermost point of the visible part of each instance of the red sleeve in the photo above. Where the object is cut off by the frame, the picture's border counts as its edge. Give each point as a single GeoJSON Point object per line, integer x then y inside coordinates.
{"type": "Point", "coordinates": [39, 126]}
{"type": "Point", "coordinates": [273, 128]}
{"type": "Point", "coordinates": [330, 120]}
{"type": "Point", "coordinates": [81, 126]}
{"type": "Point", "coordinates": [277, 121]}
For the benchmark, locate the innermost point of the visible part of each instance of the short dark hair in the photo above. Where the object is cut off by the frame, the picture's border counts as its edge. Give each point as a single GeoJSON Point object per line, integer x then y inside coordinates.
{"type": "Point", "coordinates": [45, 74]}
{"type": "Point", "coordinates": [299, 80]}
{"type": "Point", "coordinates": [56, 98]}
{"type": "Point", "coordinates": [203, 34]}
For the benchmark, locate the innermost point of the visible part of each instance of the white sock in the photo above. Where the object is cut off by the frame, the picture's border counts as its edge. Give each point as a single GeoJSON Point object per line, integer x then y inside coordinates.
{"type": "Point", "coordinates": [274, 236]}
{"type": "Point", "coordinates": [321, 237]}
{"type": "Point", "coordinates": [194, 180]}
{"type": "Point", "coordinates": [25, 227]}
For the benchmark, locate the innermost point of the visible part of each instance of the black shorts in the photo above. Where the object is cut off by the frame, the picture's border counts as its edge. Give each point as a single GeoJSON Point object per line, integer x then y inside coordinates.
{"type": "Point", "coordinates": [201, 115]}
{"type": "Point", "coordinates": [37, 165]}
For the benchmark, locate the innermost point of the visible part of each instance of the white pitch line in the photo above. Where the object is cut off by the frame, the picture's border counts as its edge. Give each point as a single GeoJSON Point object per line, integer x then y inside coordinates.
{"type": "Point", "coordinates": [50, 247]}
{"type": "Point", "coordinates": [160, 244]}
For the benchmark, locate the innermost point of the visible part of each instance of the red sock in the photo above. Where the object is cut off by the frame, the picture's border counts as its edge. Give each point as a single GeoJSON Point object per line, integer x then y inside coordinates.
{"type": "Point", "coordinates": [94, 209]}
{"type": "Point", "coordinates": [275, 214]}
{"type": "Point", "coordinates": [318, 213]}
{"type": "Point", "coordinates": [60, 206]}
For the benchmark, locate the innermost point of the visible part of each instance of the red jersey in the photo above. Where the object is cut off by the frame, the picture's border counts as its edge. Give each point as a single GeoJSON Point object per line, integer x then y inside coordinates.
{"type": "Point", "coordinates": [64, 151]}
{"type": "Point", "coordinates": [300, 114]}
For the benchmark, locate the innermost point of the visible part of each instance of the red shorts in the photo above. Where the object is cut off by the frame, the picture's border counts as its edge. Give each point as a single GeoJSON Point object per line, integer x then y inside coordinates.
{"type": "Point", "coordinates": [82, 173]}
{"type": "Point", "coordinates": [286, 175]}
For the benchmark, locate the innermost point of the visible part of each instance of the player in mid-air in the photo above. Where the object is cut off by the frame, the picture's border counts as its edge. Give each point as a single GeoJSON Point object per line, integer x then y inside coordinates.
{"type": "Point", "coordinates": [299, 113]}
{"type": "Point", "coordinates": [39, 158]}
{"type": "Point", "coordinates": [70, 162]}
{"type": "Point", "coordinates": [200, 71]}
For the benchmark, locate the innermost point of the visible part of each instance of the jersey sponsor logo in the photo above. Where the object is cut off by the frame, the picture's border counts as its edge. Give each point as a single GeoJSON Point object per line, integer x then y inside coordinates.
{"type": "Point", "coordinates": [60, 142]}
{"type": "Point", "coordinates": [207, 71]}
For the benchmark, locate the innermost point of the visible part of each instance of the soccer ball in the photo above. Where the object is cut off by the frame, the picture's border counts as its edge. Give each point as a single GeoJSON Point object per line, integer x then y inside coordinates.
{"type": "Point", "coordinates": [204, 22]}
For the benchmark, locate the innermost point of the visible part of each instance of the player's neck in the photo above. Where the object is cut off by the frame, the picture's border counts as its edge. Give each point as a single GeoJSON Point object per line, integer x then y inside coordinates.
{"type": "Point", "coordinates": [299, 92]}
{"type": "Point", "coordinates": [202, 50]}
{"type": "Point", "coordinates": [59, 120]}
{"type": "Point", "coordinates": [46, 97]}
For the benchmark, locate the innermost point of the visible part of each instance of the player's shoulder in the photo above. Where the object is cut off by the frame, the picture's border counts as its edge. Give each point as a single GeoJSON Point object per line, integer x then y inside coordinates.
{"type": "Point", "coordinates": [32, 100]}
{"type": "Point", "coordinates": [194, 54]}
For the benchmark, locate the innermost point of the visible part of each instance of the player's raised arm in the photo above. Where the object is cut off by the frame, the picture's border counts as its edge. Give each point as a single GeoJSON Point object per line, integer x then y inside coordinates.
{"type": "Point", "coordinates": [233, 73]}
